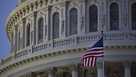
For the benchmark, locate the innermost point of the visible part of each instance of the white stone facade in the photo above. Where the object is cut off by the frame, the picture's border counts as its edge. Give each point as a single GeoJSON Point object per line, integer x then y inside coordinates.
{"type": "Point", "coordinates": [52, 46]}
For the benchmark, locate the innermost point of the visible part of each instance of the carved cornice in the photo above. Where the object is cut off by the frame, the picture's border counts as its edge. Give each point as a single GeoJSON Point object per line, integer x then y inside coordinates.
{"type": "Point", "coordinates": [39, 57]}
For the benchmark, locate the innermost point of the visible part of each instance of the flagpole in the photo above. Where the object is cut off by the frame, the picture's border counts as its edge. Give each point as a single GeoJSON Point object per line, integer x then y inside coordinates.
{"type": "Point", "coordinates": [103, 67]}
{"type": "Point", "coordinates": [102, 35]}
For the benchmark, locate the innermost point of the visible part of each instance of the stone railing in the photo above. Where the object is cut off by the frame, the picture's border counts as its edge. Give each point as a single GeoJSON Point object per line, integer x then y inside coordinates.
{"type": "Point", "coordinates": [66, 42]}
{"type": "Point", "coordinates": [76, 41]}
{"type": "Point", "coordinates": [23, 52]}
{"type": "Point", "coordinates": [79, 40]}
{"type": "Point", "coordinates": [120, 35]}
{"type": "Point", "coordinates": [44, 46]}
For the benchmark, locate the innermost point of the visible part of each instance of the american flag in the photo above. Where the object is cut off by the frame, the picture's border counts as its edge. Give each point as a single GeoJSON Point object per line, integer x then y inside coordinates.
{"type": "Point", "coordinates": [88, 59]}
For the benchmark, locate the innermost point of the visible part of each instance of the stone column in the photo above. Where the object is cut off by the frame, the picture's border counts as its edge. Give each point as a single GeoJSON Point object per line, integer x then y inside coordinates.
{"type": "Point", "coordinates": [74, 71]}
{"type": "Point", "coordinates": [49, 34]}
{"type": "Point", "coordinates": [50, 72]}
{"type": "Point", "coordinates": [124, 16]}
{"type": "Point", "coordinates": [127, 69]}
{"type": "Point", "coordinates": [62, 24]}
{"type": "Point", "coordinates": [45, 29]}
{"type": "Point", "coordinates": [38, 76]}
{"type": "Point", "coordinates": [35, 31]}
{"type": "Point", "coordinates": [83, 13]}
{"type": "Point", "coordinates": [66, 18]}
{"type": "Point", "coordinates": [102, 23]}
{"type": "Point", "coordinates": [15, 38]}
{"type": "Point", "coordinates": [24, 26]}
{"type": "Point", "coordinates": [13, 42]}
{"type": "Point", "coordinates": [100, 69]}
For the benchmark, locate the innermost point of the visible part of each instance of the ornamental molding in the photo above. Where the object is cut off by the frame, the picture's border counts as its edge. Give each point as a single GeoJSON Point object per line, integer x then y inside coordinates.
{"type": "Point", "coordinates": [37, 58]}
{"type": "Point", "coordinates": [44, 56]}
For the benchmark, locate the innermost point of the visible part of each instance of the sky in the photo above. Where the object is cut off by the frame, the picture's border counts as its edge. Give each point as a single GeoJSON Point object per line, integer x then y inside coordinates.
{"type": "Point", "coordinates": [6, 6]}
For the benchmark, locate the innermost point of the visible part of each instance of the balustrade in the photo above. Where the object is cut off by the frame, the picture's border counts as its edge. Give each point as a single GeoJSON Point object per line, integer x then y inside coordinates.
{"type": "Point", "coordinates": [77, 40]}
{"type": "Point", "coordinates": [114, 36]}
{"type": "Point", "coordinates": [88, 37]}
{"type": "Point", "coordinates": [120, 36]}
{"type": "Point", "coordinates": [73, 41]}
{"type": "Point", "coordinates": [131, 36]}
{"type": "Point", "coordinates": [42, 46]}
{"type": "Point", "coordinates": [65, 42]}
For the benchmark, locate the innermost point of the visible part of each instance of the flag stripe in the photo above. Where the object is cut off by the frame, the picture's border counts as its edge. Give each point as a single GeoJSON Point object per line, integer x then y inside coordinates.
{"type": "Point", "coordinates": [90, 61]}
{"type": "Point", "coordinates": [94, 61]}
{"type": "Point", "coordinates": [96, 53]}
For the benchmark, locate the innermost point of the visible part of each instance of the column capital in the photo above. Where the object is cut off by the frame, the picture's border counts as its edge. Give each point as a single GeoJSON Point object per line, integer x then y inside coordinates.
{"type": "Point", "coordinates": [51, 69]}
{"type": "Point", "coordinates": [74, 71]}
{"type": "Point", "coordinates": [73, 67]}
{"type": "Point", "coordinates": [67, 1]}
{"type": "Point", "coordinates": [51, 72]}
{"type": "Point", "coordinates": [127, 64]}
{"type": "Point", "coordinates": [49, 7]}
{"type": "Point", "coordinates": [83, 0]}
{"type": "Point", "coordinates": [100, 68]}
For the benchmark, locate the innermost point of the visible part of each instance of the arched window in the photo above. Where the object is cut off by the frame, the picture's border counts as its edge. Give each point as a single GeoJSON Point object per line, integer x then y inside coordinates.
{"type": "Point", "coordinates": [56, 23]}
{"type": "Point", "coordinates": [40, 30]}
{"type": "Point", "coordinates": [73, 21]}
{"type": "Point", "coordinates": [93, 18]}
{"type": "Point", "coordinates": [114, 16]}
{"type": "Point", "coordinates": [133, 16]}
{"type": "Point", "coordinates": [28, 35]}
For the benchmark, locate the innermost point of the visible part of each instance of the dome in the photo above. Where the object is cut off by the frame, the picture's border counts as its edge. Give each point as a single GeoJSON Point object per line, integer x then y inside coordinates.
{"type": "Point", "coordinates": [49, 38]}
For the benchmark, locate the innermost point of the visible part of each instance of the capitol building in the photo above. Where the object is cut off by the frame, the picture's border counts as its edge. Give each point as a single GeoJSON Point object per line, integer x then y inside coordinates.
{"type": "Point", "coordinates": [48, 37]}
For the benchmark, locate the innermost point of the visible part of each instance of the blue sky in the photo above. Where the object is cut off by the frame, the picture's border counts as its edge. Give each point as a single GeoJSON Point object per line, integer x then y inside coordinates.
{"type": "Point", "coordinates": [6, 6]}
